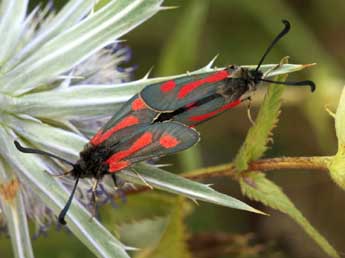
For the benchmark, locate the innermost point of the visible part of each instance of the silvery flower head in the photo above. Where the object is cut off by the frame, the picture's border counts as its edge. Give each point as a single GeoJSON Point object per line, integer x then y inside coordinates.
{"type": "Point", "coordinates": [59, 74]}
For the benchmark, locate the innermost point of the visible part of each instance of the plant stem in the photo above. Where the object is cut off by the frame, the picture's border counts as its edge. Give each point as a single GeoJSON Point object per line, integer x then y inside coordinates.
{"type": "Point", "coordinates": [319, 163]}
{"type": "Point", "coordinates": [284, 163]}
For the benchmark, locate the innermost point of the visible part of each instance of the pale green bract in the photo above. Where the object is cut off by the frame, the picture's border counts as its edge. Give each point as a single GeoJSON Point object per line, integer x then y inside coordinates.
{"type": "Point", "coordinates": [337, 163]}
{"type": "Point", "coordinates": [48, 89]}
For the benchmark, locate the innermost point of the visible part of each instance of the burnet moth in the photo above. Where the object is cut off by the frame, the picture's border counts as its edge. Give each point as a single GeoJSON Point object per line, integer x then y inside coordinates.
{"type": "Point", "coordinates": [159, 120]}
{"type": "Point", "coordinates": [196, 98]}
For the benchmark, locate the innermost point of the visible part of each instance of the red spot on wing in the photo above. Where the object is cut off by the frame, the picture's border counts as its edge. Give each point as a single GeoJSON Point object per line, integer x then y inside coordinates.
{"type": "Point", "coordinates": [94, 140]}
{"type": "Point", "coordinates": [115, 167]}
{"type": "Point", "coordinates": [168, 141]}
{"type": "Point", "coordinates": [168, 86]}
{"type": "Point", "coordinates": [215, 112]}
{"type": "Point", "coordinates": [189, 87]}
{"type": "Point", "coordinates": [116, 160]}
{"type": "Point", "coordinates": [125, 122]}
{"type": "Point", "coordinates": [138, 104]}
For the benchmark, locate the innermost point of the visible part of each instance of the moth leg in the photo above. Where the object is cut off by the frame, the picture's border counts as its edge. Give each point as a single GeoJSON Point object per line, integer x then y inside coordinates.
{"type": "Point", "coordinates": [115, 181]}
{"type": "Point", "coordinates": [249, 114]}
{"type": "Point", "coordinates": [94, 198]}
{"type": "Point", "coordinates": [118, 182]}
{"type": "Point", "coordinates": [119, 188]}
{"type": "Point", "coordinates": [142, 179]}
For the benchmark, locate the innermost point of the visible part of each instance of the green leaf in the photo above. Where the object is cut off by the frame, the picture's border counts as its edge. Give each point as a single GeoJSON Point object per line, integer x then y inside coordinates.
{"type": "Point", "coordinates": [258, 135]}
{"type": "Point", "coordinates": [77, 43]}
{"type": "Point", "coordinates": [173, 241]}
{"type": "Point", "coordinates": [13, 209]}
{"type": "Point", "coordinates": [172, 183]}
{"type": "Point", "coordinates": [299, 39]}
{"type": "Point", "coordinates": [257, 187]}
{"type": "Point", "coordinates": [337, 164]}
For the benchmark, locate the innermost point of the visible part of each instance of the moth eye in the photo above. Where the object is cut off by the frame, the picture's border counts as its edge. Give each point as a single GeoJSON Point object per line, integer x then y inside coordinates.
{"type": "Point", "coordinates": [232, 67]}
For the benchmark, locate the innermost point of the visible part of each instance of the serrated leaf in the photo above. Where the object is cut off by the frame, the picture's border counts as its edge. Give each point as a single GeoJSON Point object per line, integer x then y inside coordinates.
{"type": "Point", "coordinates": [254, 145]}
{"type": "Point", "coordinates": [172, 183]}
{"type": "Point", "coordinates": [173, 241]}
{"type": "Point", "coordinates": [257, 187]}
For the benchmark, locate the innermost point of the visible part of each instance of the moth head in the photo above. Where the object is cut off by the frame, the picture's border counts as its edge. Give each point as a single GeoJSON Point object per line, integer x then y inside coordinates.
{"type": "Point", "coordinates": [257, 76]}
{"type": "Point", "coordinates": [74, 172]}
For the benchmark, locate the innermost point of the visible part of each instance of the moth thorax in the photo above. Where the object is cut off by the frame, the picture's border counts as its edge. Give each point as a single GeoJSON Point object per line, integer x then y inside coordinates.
{"type": "Point", "coordinates": [91, 162]}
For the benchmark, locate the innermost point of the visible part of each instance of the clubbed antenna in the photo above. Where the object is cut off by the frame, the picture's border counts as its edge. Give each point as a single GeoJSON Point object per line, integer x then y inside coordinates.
{"type": "Point", "coordinates": [311, 84]}
{"type": "Point", "coordinates": [275, 40]}
{"type": "Point", "coordinates": [63, 213]}
{"type": "Point", "coordinates": [40, 152]}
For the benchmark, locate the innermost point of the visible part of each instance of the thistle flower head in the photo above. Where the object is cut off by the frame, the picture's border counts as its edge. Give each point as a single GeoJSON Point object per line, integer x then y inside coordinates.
{"type": "Point", "coordinates": [103, 67]}
{"type": "Point", "coordinates": [57, 69]}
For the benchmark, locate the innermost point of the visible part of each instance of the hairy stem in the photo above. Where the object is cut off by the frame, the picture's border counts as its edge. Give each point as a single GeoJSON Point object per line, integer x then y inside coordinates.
{"type": "Point", "coordinates": [285, 163]}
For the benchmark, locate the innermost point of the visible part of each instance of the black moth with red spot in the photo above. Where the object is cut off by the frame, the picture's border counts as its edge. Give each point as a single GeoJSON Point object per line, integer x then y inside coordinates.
{"type": "Point", "coordinates": [159, 120]}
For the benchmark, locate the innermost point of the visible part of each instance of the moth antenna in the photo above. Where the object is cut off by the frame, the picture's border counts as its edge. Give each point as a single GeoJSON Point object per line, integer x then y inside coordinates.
{"type": "Point", "coordinates": [62, 215]}
{"type": "Point", "coordinates": [311, 84]}
{"type": "Point", "coordinates": [275, 40]}
{"type": "Point", "coordinates": [40, 152]}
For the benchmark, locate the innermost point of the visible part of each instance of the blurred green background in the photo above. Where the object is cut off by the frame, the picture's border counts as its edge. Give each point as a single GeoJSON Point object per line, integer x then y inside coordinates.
{"type": "Point", "coordinates": [187, 38]}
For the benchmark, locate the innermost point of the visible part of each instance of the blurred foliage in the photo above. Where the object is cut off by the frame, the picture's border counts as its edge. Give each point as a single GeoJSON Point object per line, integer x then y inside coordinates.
{"type": "Point", "coordinates": [180, 53]}
{"type": "Point", "coordinates": [239, 31]}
